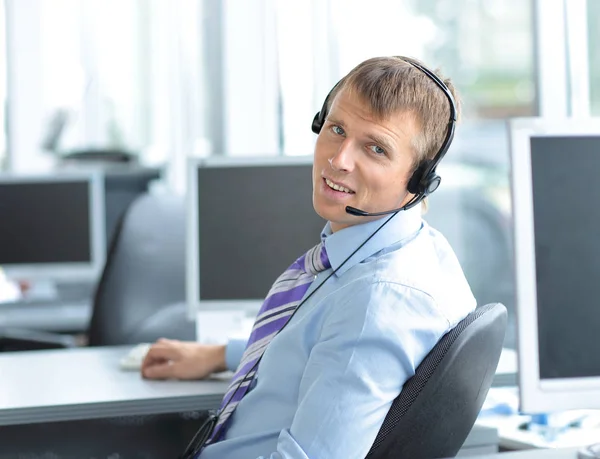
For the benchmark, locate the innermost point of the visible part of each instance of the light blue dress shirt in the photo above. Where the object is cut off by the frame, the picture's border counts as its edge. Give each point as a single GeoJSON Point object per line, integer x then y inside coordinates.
{"type": "Point", "coordinates": [327, 381]}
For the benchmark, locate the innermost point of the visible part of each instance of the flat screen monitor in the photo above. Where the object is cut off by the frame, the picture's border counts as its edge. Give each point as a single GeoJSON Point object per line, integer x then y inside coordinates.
{"type": "Point", "coordinates": [52, 226]}
{"type": "Point", "coordinates": [556, 187]}
{"type": "Point", "coordinates": [249, 219]}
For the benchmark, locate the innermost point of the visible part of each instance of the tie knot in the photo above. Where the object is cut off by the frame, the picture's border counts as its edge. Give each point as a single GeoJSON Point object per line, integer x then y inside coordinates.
{"type": "Point", "coordinates": [316, 260]}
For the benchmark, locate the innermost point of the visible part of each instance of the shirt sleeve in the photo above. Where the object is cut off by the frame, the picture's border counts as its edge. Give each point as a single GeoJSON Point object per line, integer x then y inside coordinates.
{"type": "Point", "coordinates": [233, 353]}
{"type": "Point", "coordinates": [369, 346]}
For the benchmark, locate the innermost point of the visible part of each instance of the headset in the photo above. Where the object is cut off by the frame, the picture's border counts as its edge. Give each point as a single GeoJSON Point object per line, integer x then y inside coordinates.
{"type": "Point", "coordinates": [423, 182]}
{"type": "Point", "coordinates": [424, 179]}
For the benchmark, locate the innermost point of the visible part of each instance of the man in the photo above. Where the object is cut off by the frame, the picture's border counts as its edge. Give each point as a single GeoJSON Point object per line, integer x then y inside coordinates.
{"type": "Point", "coordinates": [386, 288]}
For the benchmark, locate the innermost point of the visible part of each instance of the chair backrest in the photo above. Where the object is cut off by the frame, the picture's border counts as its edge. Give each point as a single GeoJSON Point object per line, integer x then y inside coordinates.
{"type": "Point", "coordinates": [144, 271]}
{"type": "Point", "coordinates": [436, 410]}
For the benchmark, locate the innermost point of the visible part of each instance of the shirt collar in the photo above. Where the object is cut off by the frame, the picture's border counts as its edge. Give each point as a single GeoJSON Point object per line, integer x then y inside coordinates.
{"type": "Point", "coordinates": [342, 243]}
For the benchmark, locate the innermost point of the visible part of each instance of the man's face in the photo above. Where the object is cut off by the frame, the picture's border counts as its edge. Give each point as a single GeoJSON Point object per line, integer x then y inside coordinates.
{"type": "Point", "coordinates": [370, 160]}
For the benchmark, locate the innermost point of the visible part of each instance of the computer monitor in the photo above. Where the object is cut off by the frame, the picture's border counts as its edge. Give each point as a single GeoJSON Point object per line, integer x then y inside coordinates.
{"type": "Point", "coordinates": [556, 187]}
{"type": "Point", "coordinates": [249, 219]}
{"type": "Point", "coordinates": [52, 227]}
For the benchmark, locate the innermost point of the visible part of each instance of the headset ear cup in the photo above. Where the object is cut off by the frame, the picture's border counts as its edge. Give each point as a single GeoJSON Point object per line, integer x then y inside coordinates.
{"type": "Point", "coordinates": [414, 185]}
{"type": "Point", "coordinates": [317, 123]}
{"type": "Point", "coordinates": [425, 186]}
{"type": "Point", "coordinates": [432, 183]}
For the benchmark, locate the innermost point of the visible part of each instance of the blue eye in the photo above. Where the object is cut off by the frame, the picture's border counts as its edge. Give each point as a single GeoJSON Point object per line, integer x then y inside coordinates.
{"type": "Point", "coordinates": [337, 130]}
{"type": "Point", "coordinates": [377, 150]}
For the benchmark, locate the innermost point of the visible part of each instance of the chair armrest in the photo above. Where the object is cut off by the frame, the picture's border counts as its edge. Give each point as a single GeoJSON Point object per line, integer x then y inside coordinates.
{"type": "Point", "coordinates": [20, 339]}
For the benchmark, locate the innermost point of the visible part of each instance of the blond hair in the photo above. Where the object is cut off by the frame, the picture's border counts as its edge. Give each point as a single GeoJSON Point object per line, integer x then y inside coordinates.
{"type": "Point", "coordinates": [390, 85]}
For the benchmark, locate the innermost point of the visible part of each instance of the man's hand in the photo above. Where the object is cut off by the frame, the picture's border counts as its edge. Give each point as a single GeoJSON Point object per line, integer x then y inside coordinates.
{"type": "Point", "coordinates": [172, 359]}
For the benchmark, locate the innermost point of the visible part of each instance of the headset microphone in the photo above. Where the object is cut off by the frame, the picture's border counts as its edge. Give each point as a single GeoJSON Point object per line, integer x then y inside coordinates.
{"type": "Point", "coordinates": [363, 213]}
{"type": "Point", "coordinates": [416, 199]}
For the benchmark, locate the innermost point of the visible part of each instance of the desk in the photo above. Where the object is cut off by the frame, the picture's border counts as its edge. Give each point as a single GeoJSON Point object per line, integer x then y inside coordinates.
{"type": "Point", "coordinates": [59, 385]}
{"type": "Point", "coordinates": [570, 453]}
{"type": "Point", "coordinates": [78, 404]}
{"type": "Point", "coordinates": [42, 389]}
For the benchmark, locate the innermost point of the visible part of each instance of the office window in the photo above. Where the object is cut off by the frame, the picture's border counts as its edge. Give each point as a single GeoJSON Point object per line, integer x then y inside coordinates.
{"type": "Point", "coordinates": [594, 52]}
{"type": "Point", "coordinates": [485, 46]}
{"type": "Point", "coordinates": [2, 87]}
{"type": "Point", "coordinates": [106, 74]}
{"type": "Point", "coordinates": [100, 76]}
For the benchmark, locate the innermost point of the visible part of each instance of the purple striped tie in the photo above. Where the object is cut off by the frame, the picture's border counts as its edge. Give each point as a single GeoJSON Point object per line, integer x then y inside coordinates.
{"type": "Point", "coordinates": [280, 303]}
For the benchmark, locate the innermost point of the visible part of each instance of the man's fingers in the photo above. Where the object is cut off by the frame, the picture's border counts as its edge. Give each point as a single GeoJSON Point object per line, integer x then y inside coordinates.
{"type": "Point", "coordinates": [163, 351]}
{"type": "Point", "coordinates": [159, 354]}
{"type": "Point", "coordinates": [162, 370]}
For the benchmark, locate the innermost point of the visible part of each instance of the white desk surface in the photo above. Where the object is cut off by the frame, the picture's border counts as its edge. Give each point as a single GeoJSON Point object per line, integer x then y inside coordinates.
{"type": "Point", "coordinates": [569, 453]}
{"type": "Point", "coordinates": [86, 383]}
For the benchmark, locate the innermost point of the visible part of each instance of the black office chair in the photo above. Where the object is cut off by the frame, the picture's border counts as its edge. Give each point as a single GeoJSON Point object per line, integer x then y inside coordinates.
{"type": "Point", "coordinates": [144, 275]}
{"type": "Point", "coordinates": [436, 410]}
{"type": "Point", "coordinates": [141, 294]}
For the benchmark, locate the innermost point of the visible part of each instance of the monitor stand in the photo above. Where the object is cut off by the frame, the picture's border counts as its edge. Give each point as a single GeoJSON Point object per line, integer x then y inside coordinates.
{"type": "Point", "coordinates": [589, 452]}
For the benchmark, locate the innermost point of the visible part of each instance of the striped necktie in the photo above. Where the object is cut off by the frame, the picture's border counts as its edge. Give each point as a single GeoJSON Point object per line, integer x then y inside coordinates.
{"type": "Point", "coordinates": [281, 302]}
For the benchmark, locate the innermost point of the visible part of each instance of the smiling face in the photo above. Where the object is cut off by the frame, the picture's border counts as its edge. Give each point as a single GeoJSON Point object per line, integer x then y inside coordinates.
{"type": "Point", "coordinates": [361, 161]}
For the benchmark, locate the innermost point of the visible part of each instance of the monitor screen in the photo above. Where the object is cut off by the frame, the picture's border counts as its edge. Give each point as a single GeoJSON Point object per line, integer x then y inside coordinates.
{"type": "Point", "coordinates": [554, 167]}
{"type": "Point", "coordinates": [565, 186]}
{"type": "Point", "coordinates": [47, 223]}
{"type": "Point", "coordinates": [253, 221]}
{"type": "Point", "coordinates": [44, 223]}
